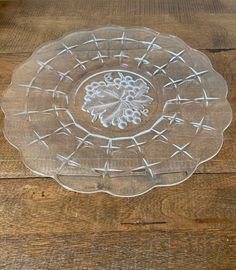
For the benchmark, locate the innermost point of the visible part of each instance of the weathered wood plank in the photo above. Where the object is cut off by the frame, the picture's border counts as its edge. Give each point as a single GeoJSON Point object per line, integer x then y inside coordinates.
{"type": "Point", "coordinates": [31, 206]}
{"type": "Point", "coordinates": [24, 25]}
{"type": "Point", "coordinates": [151, 250]}
{"type": "Point", "coordinates": [192, 225]}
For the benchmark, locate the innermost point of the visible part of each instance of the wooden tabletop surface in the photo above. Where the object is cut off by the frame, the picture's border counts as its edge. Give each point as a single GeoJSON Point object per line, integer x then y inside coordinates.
{"type": "Point", "coordinates": [188, 226]}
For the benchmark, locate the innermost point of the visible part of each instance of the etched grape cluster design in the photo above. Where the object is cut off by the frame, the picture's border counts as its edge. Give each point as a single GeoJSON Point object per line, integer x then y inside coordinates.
{"type": "Point", "coordinates": [117, 101]}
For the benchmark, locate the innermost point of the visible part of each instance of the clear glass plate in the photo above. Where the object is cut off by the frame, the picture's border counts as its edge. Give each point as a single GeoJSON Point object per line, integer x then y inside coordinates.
{"type": "Point", "coordinates": [118, 110]}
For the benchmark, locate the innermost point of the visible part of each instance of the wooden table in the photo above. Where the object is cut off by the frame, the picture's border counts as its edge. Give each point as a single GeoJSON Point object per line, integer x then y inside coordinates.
{"type": "Point", "coordinates": [189, 226]}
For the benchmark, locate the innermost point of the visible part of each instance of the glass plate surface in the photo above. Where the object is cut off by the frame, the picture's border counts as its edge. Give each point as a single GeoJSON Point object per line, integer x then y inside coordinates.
{"type": "Point", "coordinates": [118, 110]}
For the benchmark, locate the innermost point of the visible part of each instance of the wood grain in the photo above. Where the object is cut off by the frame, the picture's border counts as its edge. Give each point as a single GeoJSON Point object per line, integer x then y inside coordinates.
{"type": "Point", "coordinates": [46, 227]}
{"type": "Point", "coordinates": [41, 206]}
{"type": "Point", "coordinates": [188, 226]}
{"type": "Point", "coordinates": [26, 24]}
{"type": "Point", "coordinates": [207, 250]}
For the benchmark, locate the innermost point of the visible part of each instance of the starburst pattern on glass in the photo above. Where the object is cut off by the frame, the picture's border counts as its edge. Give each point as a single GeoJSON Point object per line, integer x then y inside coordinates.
{"type": "Point", "coordinates": [118, 110]}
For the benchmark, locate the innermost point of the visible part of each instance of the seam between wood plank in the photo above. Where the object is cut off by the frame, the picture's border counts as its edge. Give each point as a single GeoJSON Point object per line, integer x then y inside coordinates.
{"type": "Point", "coordinates": [211, 50]}
{"type": "Point", "coordinates": [50, 178]}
